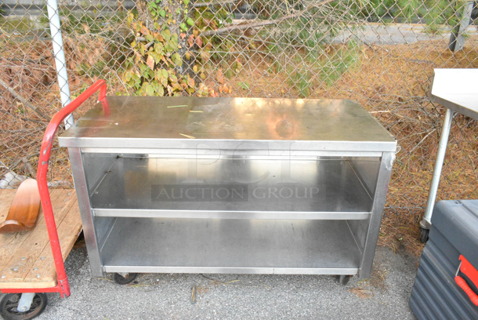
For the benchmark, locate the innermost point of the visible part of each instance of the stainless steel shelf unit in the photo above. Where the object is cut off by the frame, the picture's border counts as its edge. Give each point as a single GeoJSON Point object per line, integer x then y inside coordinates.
{"type": "Point", "coordinates": [230, 185]}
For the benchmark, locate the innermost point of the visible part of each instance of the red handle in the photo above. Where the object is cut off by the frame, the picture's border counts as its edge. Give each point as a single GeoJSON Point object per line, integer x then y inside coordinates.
{"type": "Point", "coordinates": [42, 180]}
{"type": "Point", "coordinates": [466, 288]}
{"type": "Point", "coordinates": [467, 269]}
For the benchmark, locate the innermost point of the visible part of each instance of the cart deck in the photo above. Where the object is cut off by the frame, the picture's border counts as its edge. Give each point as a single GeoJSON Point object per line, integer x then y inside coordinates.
{"type": "Point", "coordinates": [26, 260]}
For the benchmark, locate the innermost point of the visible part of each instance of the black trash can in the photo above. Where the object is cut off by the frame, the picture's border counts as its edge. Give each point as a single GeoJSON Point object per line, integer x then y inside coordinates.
{"type": "Point", "coordinates": [447, 278]}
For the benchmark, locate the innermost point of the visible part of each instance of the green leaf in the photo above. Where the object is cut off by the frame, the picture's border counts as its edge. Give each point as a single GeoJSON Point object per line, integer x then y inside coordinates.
{"type": "Point", "coordinates": [129, 18]}
{"type": "Point", "coordinates": [160, 91]}
{"type": "Point", "coordinates": [183, 26]}
{"type": "Point", "coordinates": [191, 82]}
{"type": "Point", "coordinates": [162, 76]}
{"type": "Point", "coordinates": [190, 21]}
{"type": "Point", "coordinates": [148, 89]}
{"type": "Point", "coordinates": [177, 59]}
{"type": "Point", "coordinates": [162, 13]}
{"type": "Point", "coordinates": [244, 85]}
{"type": "Point", "coordinates": [143, 68]}
{"type": "Point", "coordinates": [173, 78]}
{"type": "Point", "coordinates": [186, 2]}
{"type": "Point", "coordinates": [156, 56]}
{"type": "Point", "coordinates": [127, 76]}
{"type": "Point", "coordinates": [171, 44]}
{"type": "Point", "coordinates": [166, 34]}
{"type": "Point", "coordinates": [159, 48]}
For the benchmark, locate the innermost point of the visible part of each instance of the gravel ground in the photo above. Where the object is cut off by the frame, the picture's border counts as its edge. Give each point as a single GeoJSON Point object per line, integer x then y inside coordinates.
{"type": "Point", "coordinates": [169, 296]}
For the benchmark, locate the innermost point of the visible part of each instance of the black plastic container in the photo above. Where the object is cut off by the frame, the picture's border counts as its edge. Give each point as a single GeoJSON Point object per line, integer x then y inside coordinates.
{"type": "Point", "coordinates": [454, 233]}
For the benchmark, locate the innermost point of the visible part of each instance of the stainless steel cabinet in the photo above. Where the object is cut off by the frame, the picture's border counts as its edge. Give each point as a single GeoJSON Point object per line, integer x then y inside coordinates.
{"type": "Point", "coordinates": [230, 185]}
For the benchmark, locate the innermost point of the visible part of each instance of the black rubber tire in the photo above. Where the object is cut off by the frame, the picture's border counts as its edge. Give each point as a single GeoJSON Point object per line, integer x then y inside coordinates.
{"type": "Point", "coordinates": [9, 304]}
{"type": "Point", "coordinates": [424, 234]}
{"type": "Point", "coordinates": [343, 279]}
{"type": "Point", "coordinates": [119, 279]}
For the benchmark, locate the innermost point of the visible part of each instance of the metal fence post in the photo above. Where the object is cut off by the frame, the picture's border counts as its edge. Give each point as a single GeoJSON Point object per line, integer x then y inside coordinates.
{"type": "Point", "coordinates": [59, 53]}
{"type": "Point", "coordinates": [457, 39]}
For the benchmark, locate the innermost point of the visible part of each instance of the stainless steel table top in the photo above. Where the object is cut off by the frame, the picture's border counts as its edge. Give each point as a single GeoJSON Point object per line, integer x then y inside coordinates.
{"type": "Point", "coordinates": [230, 123]}
{"type": "Point", "coordinates": [457, 90]}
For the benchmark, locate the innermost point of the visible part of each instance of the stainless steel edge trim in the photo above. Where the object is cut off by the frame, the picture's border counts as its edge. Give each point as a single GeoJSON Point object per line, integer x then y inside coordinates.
{"type": "Point", "coordinates": [81, 187]}
{"type": "Point", "coordinates": [148, 143]}
{"type": "Point", "coordinates": [455, 107]}
{"type": "Point", "coordinates": [232, 270]}
{"type": "Point", "coordinates": [381, 189]}
{"type": "Point", "coordinates": [199, 153]}
{"type": "Point", "coordinates": [211, 214]}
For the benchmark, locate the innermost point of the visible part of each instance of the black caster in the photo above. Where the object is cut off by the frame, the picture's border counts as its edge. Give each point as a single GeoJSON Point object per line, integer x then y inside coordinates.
{"type": "Point", "coordinates": [124, 278]}
{"type": "Point", "coordinates": [343, 279]}
{"type": "Point", "coordinates": [424, 234]}
{"type": "Point", "coordinates": [9, 304]}
{"type": "Point", "coordinates": [424, 230]}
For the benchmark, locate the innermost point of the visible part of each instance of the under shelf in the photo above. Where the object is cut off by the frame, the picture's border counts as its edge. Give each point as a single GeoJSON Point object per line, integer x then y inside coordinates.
{"type": "Point", "coordinates": [231, 188]}
{"type": "Point", "coordinates": [230, 246]}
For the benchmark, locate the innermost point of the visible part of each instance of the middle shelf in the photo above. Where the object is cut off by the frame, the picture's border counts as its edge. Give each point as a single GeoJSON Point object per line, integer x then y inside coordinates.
{"type": "Point", "coordinates": [229, 188]}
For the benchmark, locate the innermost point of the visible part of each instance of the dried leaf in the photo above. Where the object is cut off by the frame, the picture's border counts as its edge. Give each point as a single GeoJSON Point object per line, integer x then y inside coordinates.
{"type": "Point", "coordinates": [213, 93]}
{"type": "Point", "coordinates": [361, 293]}
{"type": "Point", "coordinates": [187, 136]}
{"type": "Point", "coordinates": [220, 77]}
{"type": "Point", "coordinates": [191, 40]}
{"type": "Point", "coordinates": [144, 30]}
{"type": "Point", "coordinates": [178, 106]}
{"type": "Point", "coordinates": [199, 41]}
{"type": "Point", "coordinates": [86, 28]}
{"type": "Point", "coordinates": [191, 82]}
{"type": "Point", "coordinates": [150, 62]}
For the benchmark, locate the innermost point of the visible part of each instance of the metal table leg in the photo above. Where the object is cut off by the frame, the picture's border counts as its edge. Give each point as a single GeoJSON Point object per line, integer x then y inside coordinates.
{"type": "Point", "coordinates": [426, 221]}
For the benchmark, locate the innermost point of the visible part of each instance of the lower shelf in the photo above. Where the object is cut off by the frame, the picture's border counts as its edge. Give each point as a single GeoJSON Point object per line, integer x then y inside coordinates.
{"type": "Point", "coordinates": [230, 246]}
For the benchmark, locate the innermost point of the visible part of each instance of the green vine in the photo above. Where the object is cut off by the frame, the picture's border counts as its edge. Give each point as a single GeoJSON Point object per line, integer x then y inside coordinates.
{"type": "Point", "coordinates": [165, 45]}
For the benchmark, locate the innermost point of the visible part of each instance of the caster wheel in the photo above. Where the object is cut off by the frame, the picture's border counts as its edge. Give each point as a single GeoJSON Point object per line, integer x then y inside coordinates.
{"type": "Point", "coordinates": [424, 235]}
{"type": "Point", "coordinates": [343, 279]}
{"type": "Point", "coordinates": [9, 304]}
{"type": "Point", "coordinates": [124, 278]}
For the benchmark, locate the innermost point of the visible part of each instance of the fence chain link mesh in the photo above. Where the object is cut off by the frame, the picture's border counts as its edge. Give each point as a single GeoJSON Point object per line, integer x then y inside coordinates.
{"type": "Point", "coordinates": [380, 53]}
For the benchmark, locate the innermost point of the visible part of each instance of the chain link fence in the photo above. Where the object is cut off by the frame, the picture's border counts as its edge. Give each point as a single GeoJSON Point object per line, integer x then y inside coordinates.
{"type": "Point", "coordinates": [380, 53]}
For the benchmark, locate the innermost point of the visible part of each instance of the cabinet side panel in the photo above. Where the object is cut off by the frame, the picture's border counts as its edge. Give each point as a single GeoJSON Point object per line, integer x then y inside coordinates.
{"type": "Point", "coordinates": [359, 229]}
{"type": "Point", "coordinates": [96, 165]}
{"type": "Point", "coordinates": [103, 227]}
{"type": "Point", "coordinates": [367, 171]}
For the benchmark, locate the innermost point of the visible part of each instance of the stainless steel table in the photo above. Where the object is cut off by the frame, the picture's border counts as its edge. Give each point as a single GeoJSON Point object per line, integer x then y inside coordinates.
{"type": "Point", "coordinates": [457, 90]}
{"type": "Point", "coordinates": [230, 185]}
